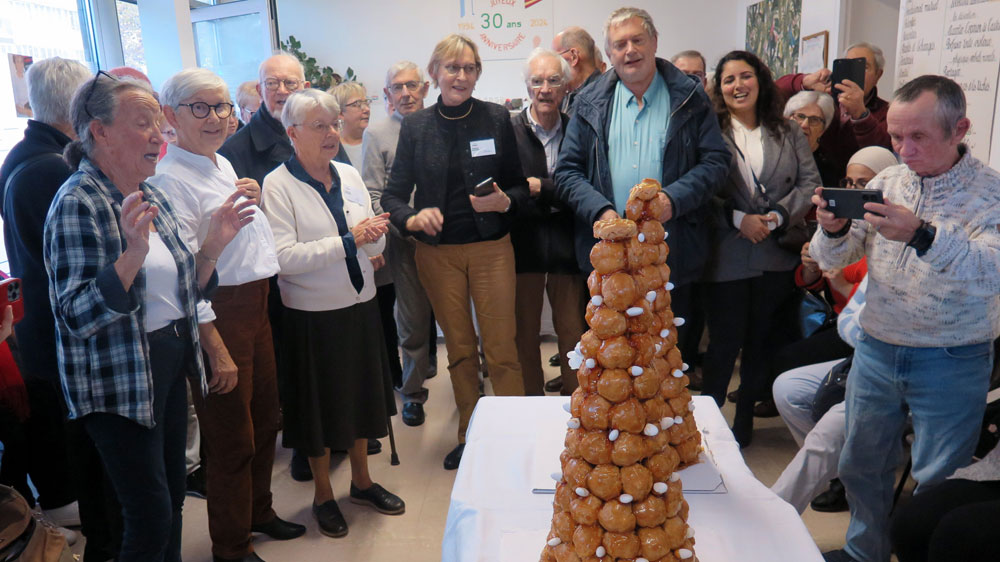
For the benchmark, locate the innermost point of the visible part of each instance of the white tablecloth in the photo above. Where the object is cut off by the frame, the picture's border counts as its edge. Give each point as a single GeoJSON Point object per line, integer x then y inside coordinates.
{"type": "Point", "coordinates": [494, 517]}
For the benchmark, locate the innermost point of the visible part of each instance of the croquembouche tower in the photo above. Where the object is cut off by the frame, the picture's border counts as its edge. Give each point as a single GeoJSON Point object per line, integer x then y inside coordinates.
{"type": "Point", "coordinates": [619, 497]}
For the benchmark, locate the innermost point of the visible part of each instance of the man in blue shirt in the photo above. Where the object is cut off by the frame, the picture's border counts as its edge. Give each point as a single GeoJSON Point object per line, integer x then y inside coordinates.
{"type": "Point", "coordinates": [645, 119]}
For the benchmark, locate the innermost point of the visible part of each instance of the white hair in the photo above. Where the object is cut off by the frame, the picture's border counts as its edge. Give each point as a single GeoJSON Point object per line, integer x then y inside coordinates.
{"type": "Point", "coordinates": [301, 102]}
{"type": "Point", "coordinates": [188, 82]}
{"type": "Point", "coordinates": [540, 52]}
{"type": "Point", "coordinates": [51, 84]}
{"type": "Point", "coordinates": [400, 67]}
{"type": "Point", "coordinates": [876, 52]}
{"type": "Point", "coordinates": [809, 97]}
{"type": "Point", "coordinates": [622, 15]}
{"type": "Point", "coordinates": [284, 55]}
{"type": "Point", "coordinates": [346, 90]}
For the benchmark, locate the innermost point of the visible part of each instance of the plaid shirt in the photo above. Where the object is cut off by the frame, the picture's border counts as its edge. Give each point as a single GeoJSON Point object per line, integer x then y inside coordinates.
{"type": "Point", "coordinates": [101, 340]}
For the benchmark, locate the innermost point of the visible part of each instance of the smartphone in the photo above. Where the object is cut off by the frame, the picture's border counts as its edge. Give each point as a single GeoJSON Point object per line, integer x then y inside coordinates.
{"type": "Point", "coordinates": [850, 203]}
{"type": "Point", "coordinates": [847, 69]}
{"type": "Point", "coordinates": [10, 294]}
{"type": "Point", "coordinates": [484, 187]}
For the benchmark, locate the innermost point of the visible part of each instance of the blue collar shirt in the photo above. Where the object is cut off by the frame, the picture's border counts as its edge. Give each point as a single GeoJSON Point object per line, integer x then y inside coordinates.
{"type": "Point", "coordinates": [637, 137]}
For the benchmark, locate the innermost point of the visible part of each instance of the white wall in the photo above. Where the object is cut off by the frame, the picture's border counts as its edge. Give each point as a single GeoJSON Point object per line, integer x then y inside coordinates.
{"type": "Point", "coordinates": [877, 22]}
{"type": "Point", "coordinates": [369, 40]}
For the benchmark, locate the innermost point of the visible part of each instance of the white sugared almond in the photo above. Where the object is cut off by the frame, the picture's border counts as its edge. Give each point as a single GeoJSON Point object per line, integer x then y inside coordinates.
{"type": "Point", "coordinates": [573, 423]}
{"type": "Point", "coordinates": [555, 541]}
{"type": "Point", "coordinates": [651, 296]}
{"type": "Point", "coordinates": [612, 435]}
{"type": "Point", "coordinates": [625, 498]}
{"type": "Point", "coordinates": [642, 237]}
{"type": "Point", "coordinates": [634, 311]}
{"type": "Point", "coordinates": [600, 552]}
{"type": "Point", "coordinates": [582, 492]}
{"type": "Point", "coordinates": [651, 430]}
{"type": "Point", "coordinates": [590, 363]}
{"type": "Point", "coordinates": [635, 370]}
{"type": "Point", "coordinates": [677, 372]}
{"type": "Point", "coordinates": [665, 423]}
{"type": "Point", "coordinates": [597, 300]}
{"type": "Point", "coordinates": [678, 321]}
{"type": "Point", "coordinates": [660, 487]}
{"type": "Point", "coordinates": [684, 554]}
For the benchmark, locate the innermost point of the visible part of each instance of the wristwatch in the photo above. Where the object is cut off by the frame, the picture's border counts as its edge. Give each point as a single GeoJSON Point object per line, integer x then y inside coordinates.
{"type": "Point", "coordinates": [923, 237]}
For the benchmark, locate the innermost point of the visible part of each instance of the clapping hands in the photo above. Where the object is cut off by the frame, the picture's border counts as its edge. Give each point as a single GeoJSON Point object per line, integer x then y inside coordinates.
{"type": "Point", "coordinates": [370, 229]}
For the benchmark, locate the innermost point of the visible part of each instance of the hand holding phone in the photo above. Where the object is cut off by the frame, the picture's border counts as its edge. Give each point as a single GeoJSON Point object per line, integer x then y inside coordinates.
{"type": "Point", "coordinates": [850, 203]}
{"type": "Point", "coordinates": [10, 295]}
{"type": "Point", "coordinates": [484, 187]}
{"type": "Point", "coordinates": [847, 69]}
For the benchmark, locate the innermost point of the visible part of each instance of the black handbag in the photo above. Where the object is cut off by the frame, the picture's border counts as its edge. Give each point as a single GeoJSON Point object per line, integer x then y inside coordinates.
{"type": "Point", "coordinates": [832, 390]}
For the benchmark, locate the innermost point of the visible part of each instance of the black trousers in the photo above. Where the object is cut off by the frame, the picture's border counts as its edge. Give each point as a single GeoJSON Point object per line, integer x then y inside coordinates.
{"type": "Point", "coordinates": [386, 295]}
{"type": "Point", "coordinates": [824, 345]}
{"type": "Point", "coordinates": [741, 316]}
{"type": "Point", "coordinates": [687, 302]}
{"type": "Point", "coordinates": [955, 521]}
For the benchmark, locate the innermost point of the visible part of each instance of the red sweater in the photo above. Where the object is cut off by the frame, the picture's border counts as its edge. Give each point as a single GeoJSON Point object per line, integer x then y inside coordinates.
{"type": "Point", "coordinates": [845, 136]}
{"type": "Point", "coordinates": [853, 273]}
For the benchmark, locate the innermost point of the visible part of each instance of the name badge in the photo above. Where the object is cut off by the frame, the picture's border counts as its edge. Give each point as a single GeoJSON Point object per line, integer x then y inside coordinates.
{"type": "Point", "coordinates": [357, 198]}
{"type": "Point", "coordinates": [483, 147]}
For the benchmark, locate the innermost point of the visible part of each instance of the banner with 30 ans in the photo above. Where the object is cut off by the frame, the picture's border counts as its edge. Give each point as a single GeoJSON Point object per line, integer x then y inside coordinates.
{"type": "Point", "coordinates": [506, 29]}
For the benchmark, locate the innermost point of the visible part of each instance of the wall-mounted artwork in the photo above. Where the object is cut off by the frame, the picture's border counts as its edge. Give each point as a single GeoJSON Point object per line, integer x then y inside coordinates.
{"type": "Point", "coordinates": [18, 68]}
{"type": "Point", "coordinates": [773, 33]}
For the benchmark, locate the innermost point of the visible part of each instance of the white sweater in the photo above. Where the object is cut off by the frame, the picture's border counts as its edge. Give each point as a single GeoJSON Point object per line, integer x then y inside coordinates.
{"type": "Point", "coordinates": [950, 296]}
{"type": "Point", "coordinates": [310, 250]}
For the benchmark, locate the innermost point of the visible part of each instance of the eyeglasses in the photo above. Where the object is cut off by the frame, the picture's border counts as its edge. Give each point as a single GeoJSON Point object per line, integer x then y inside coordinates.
{"type": "Point", "coordinates": [90, 91]}
{"type": "Point", "coordinates": [813, 120]}
{"type": "Point", "coordinates": [537, 83]}
{"type": "Point", "coordinates": [360, 104]}
{"type": "Point", "coordinates": [851, 182]}
{"type": "Point", "coordinates": [200, 109]}
{"type": "Point", "coordinates": [291, 84]}
{"type": "Point", "coordinates": [410, 86]}
{"type": "Point", "coordinates": [321, 126]}
{"type": "Point", "coordinates": [454, 69]}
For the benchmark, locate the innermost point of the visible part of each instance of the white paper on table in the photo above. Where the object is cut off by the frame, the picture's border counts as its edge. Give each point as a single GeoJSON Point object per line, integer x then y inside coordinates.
{"type": "Point", "coordinates": [701, 478]}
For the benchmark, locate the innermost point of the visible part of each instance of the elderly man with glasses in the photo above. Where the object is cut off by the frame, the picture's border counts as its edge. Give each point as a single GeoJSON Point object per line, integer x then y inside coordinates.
{"type": "Point", "coordinates": [542, 235]}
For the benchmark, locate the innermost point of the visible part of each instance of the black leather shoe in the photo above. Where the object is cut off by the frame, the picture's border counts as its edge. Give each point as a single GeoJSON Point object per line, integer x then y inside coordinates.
{"type": "Point", "coordinates": [554, 360]}
{"type": "Point", "coordinates": [195, 486]}
{"type": "Point", "coordinates": [252, 557]}
{"type": "Point", "coordinates": [837, 556]}
{"type": "Point", "coordinates": [379, 498]}
{"type": "Point", "coordinates": [331, 521]}
{"type": "Point", "coordinates": [694, 379]}
{"type": "Point", "coordinates": [413, 414]}
{"type": "Point", "coordinates": [733, 396]}
{"type": "Point", "coordinates": [279, 529]}
{"type": "Point", "coordinates": [765, 409]}
{"type": "Point", "coordinates": [553, 385]}
{"type": "Point", "coordinates": [299, 467]}
{"type": "Point", "coordinates": [833, 500]}
{"type": "Point", "coordinates": [374, 447]}
{"type": "Point", "coordinates": [452, 460]}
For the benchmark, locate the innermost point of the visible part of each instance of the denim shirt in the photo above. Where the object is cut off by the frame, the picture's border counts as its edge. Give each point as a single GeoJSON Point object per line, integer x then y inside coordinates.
{"type": "Point", "coordinates": [100, 327]}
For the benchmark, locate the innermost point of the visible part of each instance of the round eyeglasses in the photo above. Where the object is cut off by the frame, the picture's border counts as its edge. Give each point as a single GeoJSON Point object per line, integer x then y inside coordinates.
{"type": "Point", "coordinates": [200, 109]}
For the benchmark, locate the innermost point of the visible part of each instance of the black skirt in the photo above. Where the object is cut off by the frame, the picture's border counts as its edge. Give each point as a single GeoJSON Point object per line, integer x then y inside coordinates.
{"type": "Point", "coordinates": [338, 388]}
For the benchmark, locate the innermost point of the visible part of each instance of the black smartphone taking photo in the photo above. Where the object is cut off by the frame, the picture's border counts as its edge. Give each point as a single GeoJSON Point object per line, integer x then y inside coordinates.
{"type": "Point", "coordinates": [847, 69]}
{"type": "Point", "coordinates": [850, 203]}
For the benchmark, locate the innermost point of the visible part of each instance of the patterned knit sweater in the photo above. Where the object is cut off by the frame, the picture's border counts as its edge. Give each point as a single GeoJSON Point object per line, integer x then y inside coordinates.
{"type": "Point", "coordinates": [948, 296]}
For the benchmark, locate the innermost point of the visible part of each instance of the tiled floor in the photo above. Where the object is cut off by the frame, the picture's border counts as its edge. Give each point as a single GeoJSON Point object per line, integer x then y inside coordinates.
{"type": "Point", "coordinates": [425, 486]}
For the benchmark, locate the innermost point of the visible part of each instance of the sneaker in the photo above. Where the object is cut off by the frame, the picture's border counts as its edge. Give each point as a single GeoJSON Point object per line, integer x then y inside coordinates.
{"type": "Point", "coordinates": [378, 498]}
{"type": "Point", "coordinates": [196, 483]}
{"type": "Point", "coordinates": [65, 516]}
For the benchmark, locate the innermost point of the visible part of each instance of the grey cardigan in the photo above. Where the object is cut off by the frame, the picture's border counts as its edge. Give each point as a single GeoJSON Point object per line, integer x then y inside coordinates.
{"type": "Point", "coordinates": [789, 176]}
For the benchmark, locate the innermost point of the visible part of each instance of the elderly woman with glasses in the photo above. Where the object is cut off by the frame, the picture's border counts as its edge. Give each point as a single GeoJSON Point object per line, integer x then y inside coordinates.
{"type": "Point", "coordinates": [813, 112]}
{"type": "Point", "coordinates": [355, 111]}
{"type": "Point", "coordinates": [750, 275]}
{"type": "Point", "coordinates": [338, 394]}
{"type": "Point", "coordinates": [239, 417]}
{"type": "Point", "coordinates": [124, 289]}
{"type": "Point", "coordinates": [461, 157]}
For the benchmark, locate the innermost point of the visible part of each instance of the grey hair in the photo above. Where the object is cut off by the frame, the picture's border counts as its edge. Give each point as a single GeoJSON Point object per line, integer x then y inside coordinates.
{"type": "Point", "coordinates": [97, 100]}
{"type": "Point", "coordinates": [188, 82]}
{"type": "Point", "coordinates": [690, 54]}
{"type": "Point", "coordinates": [400, 67]}
{"type": "Point", "coordinates": [51, 83]}
{"type": "Point", "coordinates": [809, 97]}
{"type": "Point", "coordinates": [345, 91]}
{"type": "Point", "coordinates": [543, 52]}
{"type": "Point", "coordinates": [950, 107]}
{"type": "Point", "coordinates": [284, 55]}
{"type": "Point", "coordinates": [246, 93]}
{"type": "Point", "coordinates": [579, 38]}
{"type": "Point", "coordinates": [876, 52]}
{"type": "Point", "coordinates": [303, 101]}
{"type": "Point", "coordinates": [622, 15]}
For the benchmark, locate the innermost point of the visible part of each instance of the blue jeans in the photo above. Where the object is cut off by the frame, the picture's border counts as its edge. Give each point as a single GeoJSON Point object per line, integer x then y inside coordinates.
{"type": "Point", "coordinates": [944, 389]}
{"type": "Point", "coordinates": [146, 465]}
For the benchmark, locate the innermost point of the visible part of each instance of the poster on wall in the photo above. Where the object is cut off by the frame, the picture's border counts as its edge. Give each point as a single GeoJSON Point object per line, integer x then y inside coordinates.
{"type": "Point", "coordinates": [18, 68]}
{"type": "Point", "coordinates": [773, 34]}
{"type": "Point", "coordinates": [506, 29]}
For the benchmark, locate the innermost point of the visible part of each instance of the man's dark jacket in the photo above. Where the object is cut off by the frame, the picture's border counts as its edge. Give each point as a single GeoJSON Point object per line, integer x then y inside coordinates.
{"type": "Point", "coordinates": [258, 148]}
{"type": "Point", "coordinates": [25, 203]}
{"type": "Point", "coordinates": [542, 234]}
{"type": "Point", "coordinates": [422, 160]}
{"type": "Point", "coordinates": [695, 164]}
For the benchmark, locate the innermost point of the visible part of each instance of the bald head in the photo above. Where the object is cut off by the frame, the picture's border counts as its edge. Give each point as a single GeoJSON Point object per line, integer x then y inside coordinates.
{"type": "Point", "coordinates": [279, 75]}
{"type": "Point", "coordinates": [577, 47]}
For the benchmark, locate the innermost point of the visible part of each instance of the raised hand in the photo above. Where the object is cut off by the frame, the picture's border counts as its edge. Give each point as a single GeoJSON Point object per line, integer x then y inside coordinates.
{"type": "Point", "coordinates": [250, 188]}
{"type": "Point", "coordinates": [226, 223]}
{"type": "Point", "coordinates": [852, 98]}
{"type": "Point", "coordinates": [430, 221]}
{"type": "Point", "coordinates": [818, 81]}
{"type": "Point", "coordinates": [896, 223]}
{"type": "Point", "coordinates": [137, 215]}
{"type": "Point", "coordinates": [825, 218]}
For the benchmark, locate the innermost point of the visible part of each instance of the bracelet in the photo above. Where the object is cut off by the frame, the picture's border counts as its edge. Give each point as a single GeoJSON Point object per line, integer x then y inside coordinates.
{"type": "Point", "coordinates": [213, 260]}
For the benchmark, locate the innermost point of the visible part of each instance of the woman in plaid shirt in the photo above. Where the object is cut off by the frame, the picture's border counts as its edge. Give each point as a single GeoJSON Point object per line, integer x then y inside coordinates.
{"type": "Point", "coordinates": [124, 291]}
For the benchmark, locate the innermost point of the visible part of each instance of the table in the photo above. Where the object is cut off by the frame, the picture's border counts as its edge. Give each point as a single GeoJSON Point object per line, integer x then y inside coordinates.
{"type": "Point", "coordinates": [494, 517]}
